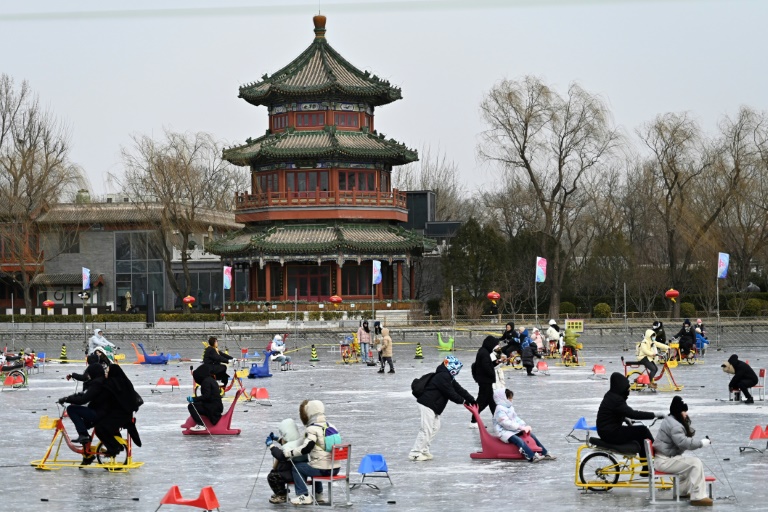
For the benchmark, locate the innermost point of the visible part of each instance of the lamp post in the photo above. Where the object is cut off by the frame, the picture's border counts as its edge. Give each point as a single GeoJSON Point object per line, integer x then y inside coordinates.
{"type": "Point", "coordinates": [84, 295]}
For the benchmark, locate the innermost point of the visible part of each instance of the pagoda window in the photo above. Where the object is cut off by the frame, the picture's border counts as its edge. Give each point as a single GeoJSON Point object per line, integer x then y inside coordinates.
{"type": "Point", "coordinates": [279, 121]}
{"type": "Point", "coordinates": [356, 279]}
{"type": "Point", "coordinates": [267, 183]}
{"type": "Point", "coordinates": [384, 182]}
{"type": "Point", "coordinates": [306, 181]}
{"type": "Point", "coordinates": [310, 120]}
{"type": "Point", "coordinates": [357, 180]}
{"type": "Point", "coordinates": [345, 119]}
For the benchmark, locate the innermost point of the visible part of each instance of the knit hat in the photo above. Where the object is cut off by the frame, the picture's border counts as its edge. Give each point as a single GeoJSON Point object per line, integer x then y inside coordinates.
{"type": "Point", "coordinates": [552, 322]}
{"type": "Point", "coordinates": [677, 406]}
{"type": "Point", "coordinates": [453, 365]}
{"type": "Point", "coordinates": [687, 321]}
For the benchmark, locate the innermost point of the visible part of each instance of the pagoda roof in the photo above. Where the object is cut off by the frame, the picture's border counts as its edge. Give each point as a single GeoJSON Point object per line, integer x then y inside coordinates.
{"type": "Point", "coordinates": [320, 239]}
{"type": "Point", "coordinates": [320, 72]}
{"type": "Point", "coordinates": [326, 143]}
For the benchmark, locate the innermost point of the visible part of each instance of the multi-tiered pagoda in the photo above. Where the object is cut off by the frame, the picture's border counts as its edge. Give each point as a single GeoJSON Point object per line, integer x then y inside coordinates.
{"type": "Point", "coordinates": [321, 206]}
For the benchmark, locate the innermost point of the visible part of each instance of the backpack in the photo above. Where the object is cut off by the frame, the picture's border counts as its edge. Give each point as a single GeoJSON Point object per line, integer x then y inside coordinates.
{"type": "Point", "coordinates": [331, 436]}
{"type": "Point", "coordinates": [420, 384]}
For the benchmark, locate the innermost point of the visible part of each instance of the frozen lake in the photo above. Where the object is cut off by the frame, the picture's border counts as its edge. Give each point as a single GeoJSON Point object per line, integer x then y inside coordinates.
{"type": "Point", "coordinates": [377, 414]}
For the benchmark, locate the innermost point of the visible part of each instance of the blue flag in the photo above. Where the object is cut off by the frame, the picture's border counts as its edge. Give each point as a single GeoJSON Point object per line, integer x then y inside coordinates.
{"type": "Point", "coordinates": [86, 279]}
{"type": "Point", "coordinates": [722, 265]}
{"type": "Point", "coordinates": [376, 272]}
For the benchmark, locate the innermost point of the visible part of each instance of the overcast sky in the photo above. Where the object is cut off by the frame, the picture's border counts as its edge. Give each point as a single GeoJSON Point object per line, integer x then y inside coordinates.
{"type": "Point", "coordinates": [112, 69]}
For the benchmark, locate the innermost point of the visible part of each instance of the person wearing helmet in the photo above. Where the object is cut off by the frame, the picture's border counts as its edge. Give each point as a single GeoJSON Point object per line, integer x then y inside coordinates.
{"type": "Point", "coordinates": [278, 348]}
{"type": "Point", "coordinates": [686, 337]}
{"type": "Point", "coordinates": [442, 386]}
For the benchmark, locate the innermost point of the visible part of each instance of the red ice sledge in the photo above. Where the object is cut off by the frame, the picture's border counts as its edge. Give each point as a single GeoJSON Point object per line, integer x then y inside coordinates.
{"type": "Point", "coordinates": [495, 448]}
{"type": "Point", "coordinates": [222, 428]}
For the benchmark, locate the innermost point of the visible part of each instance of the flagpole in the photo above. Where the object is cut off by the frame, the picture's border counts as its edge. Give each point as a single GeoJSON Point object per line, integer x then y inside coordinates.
{"type": "Point", "coordinates": [717, 328]}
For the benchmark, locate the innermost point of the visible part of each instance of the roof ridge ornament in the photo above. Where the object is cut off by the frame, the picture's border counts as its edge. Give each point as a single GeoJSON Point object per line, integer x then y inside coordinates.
{"type": "Point", "coordinates": [319, 21]}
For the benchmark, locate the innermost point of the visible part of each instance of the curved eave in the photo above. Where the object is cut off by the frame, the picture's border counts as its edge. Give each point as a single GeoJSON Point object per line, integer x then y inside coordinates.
{"type": "Point", "coordinates": [278, 93]}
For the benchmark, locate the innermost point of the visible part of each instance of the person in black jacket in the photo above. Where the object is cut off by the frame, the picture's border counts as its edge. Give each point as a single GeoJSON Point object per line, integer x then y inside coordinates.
{"type": "Point", "coordinates": [122, 402]}
{"type": "Point", "coordinates": [209, 402]}
{"type": "Point", "coordinates": [98, 403]}
{"type": "Point", "coordinates": [658, 328]}
{"type": "Point", "coordinates": [744, 377]}
{"type": "Point", "coordinates": [686, 337]}
{"type": "Point", "coordinates": [217, 360]}
{"type": "Point", "coordinates": [509, 340]}
{"type": "Point", "coordinates": [613, 413]}
{"type": "Point", "coordinates": [441, 388]}
{"type": "Point", "coordinates": [484, 373]}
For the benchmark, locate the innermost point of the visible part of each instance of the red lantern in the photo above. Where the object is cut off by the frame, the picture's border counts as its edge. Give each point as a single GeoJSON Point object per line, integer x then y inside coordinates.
{"type": "Point", "coordinates": [188, 300]}
{"type": "Point", "coordinates": [48, 303]}
{"type": "Point", "coordinates": [335, 299]}
{"type": "Point", "coordinates": [672, 294]}
{"type": "Point", "coordinates": [493, 296]}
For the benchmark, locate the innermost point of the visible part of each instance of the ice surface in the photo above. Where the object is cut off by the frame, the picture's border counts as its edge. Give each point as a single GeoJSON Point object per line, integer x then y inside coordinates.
{"type": "Point", "coordinates": [377, 414]}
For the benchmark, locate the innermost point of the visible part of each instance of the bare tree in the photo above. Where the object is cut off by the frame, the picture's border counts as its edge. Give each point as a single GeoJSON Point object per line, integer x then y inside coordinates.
{"type": "Point", "coordinates": [694, 180]}
{"type": "Point", "coordinates": [435, 172]}
{"type": "Point", "coordinates": [183, 173]}
{"type": "Point", "coordinates": [35, 170]}
{"type": "Point", "coordinates": [551, 143]}
{"type": "Point", "coordinates": [742, 227]}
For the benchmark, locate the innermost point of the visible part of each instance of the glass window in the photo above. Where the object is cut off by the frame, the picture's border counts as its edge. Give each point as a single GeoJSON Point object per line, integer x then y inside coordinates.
{"type": "Point", "coordinates": [312, 181]}
{"type": "Point", "coordinates": [123, 266]}
{"type": "Point", "coordinates": [289, 178]}
{"type": "Point", "coordinates": [351, 181]}
{"type": "Point", "coordinates": [298, 120]}
{"type": "Point", "coordinates": [138, 246]}
{"type": "Point", "coordinates": [122, 246]}
{"type": "Point", "coordinates": [154, 266]}
{"type": "Point", "coordinates": [371, 179]}
{"type": "Point", "coordinates": [342, 181]}
{"type": "Point", "coordinates": [324, 180]}
{"type": "Point", "coordinates": [322, 119]}
{"type": "Point", "coordinates": [139, 266]}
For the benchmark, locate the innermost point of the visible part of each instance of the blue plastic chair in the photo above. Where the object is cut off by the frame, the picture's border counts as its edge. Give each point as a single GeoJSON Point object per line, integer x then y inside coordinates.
{"type": "Point", "coordinates": [581, 424]}
{"type": "Point", "coordinates": [41, 361]}
{"type": "Point", "coordinates": [371, 464]}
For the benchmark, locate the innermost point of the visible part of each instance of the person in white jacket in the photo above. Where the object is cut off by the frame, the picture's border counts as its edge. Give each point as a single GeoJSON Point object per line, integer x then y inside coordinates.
{"type": "Point", "coordinates": [509, 427]}
{"type": "Point", "coordinates": [675, 437]}
{"type": "Point", "coordinates": [98, 340]}
{"type": "Point", "coordinates": [278, 347]}
{"type": "Point", "coordinates": [646, 355]}
{"type": "Point", "coordinates": [554, 337]}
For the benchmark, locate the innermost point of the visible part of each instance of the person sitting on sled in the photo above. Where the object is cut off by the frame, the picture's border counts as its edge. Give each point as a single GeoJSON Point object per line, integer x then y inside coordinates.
{"type": "Point", "coordinates": [216, 360]}
{"type": "Point", "coordinates": [646, 355]}
{"type": "Point", "coordinates": [614, 412]}
{"type": "Point", "coordinates": [282, 468]}
{"type": "Point", "coordinates": [209, 402]}
{"type": "Point", "coordinates": [509, 427]}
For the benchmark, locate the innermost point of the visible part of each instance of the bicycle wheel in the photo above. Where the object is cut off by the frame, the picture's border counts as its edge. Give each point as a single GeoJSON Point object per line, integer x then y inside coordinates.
{"type": "Point", "coordinates": [102, 457]}
{"type": "Point", "coordinates": [598, 468]}
{"type": "Point", "coordinates": [16, 374]}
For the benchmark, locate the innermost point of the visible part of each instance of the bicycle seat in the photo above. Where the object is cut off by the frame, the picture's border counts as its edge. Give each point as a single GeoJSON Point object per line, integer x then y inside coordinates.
{"type": "Point", "coordinates": [630, 448]}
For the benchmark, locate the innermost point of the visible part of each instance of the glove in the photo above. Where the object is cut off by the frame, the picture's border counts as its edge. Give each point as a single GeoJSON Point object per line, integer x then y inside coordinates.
{"type": "Point", "coordinates": [660, 415]}
{"type": "Point", "coordinates": [190, 399]}
{"type": "Point", "coordinates": [69, 376]}
{"type": "Point", "coordinates": [706, 442]}
{"type": "Point", "coordinates": [269, 440]}
{"type": "Point", "coordinates": [62, 400]}
{"type": "Point", "coordinates": [273, 436]}
{"type": "Point", "coordinates": [288, 453]}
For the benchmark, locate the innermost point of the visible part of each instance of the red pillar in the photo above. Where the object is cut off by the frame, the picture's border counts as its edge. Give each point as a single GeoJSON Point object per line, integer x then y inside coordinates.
{"type": "Point", "coordinates": [284, 275]}
{"type": "Point", "coordinates": [268, 270]}
{"type": "Point", "coordinates": [413, 282]}
{"type": "Point", "coordinates": [338, 280]}
{"type": "Point", "coordinates": [399, 280]}
{"type": "Point", "coordinates": [253, 279]}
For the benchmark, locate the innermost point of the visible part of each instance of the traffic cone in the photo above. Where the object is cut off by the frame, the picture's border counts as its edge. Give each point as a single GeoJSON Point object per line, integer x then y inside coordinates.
{"type": "Point", "coordinates": [419, 354]}
{"type": "Point", "coordinates": [313, 356]}
{"type": "Point", "coordinates": [63, 355]}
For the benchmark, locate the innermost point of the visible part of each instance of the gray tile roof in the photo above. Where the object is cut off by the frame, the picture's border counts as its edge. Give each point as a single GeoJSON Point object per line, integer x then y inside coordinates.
{"type": "Point", "coordinates": [126, 213]}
